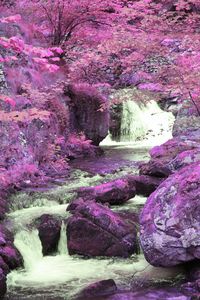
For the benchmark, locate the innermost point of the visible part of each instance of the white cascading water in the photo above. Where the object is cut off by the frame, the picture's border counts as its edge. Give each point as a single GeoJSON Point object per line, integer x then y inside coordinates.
{"type": "Point", "coordinates": [132, 125]}
{"type": "Point", "coordinates": [62, 244]}
{"type": "Point", "coordinates": [61, 271]}
{"type": "Point", "coordinates": [29, 245]}
{"type": "Point", "coordinates": [146, 123]}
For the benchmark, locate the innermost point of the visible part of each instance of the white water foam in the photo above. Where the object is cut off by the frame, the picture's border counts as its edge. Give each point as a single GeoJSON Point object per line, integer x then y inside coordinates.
{"type": "Point", "coordinates": [148, 123]}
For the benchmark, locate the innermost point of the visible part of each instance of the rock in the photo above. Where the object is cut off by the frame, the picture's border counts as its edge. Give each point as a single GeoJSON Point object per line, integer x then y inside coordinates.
{"type": "Point", "coordinates": [3, 208]}
{"type": "Point", "coordinates": [185, 158]}
{"type": "Point", "coordinates": [184, 125]}
{"type": "Point", "coordinates": [114, 192]}
{"type": "Point", "coordinates": [94, 230]}
{"type": "Point", "coordinates": [145, 185]}
{"type": "Point", "coordinates": [161, 165]}
{"type": "Point", "coordinates": [169, 150]}
{"type": "Point", "coordinates": [155, 168]}
{"type": "Point", "coordinates": [49, 232]}
{"type": "Point", "coordinates": [79, 150]}
{"type": "Point", "coordinates": [4, 266]}
{"type": "Point", "coordinates": [193, 270]}
{"type": "Point", "coordinates": [170, 104]}
{"type": "Point", "coordinates": [187, 120]}
{"type": "Point", "coordinates": [3, 287]}
{"type": "Point", "coordinates": [89, 112]}
{"type": "Point", "coordinates": [149, 293]}
{"type": "Point", "coordinates": [6, 236]}
{"type": "Point", "coordinates": [11, 256]}
{"type": "Point", "coordinates": [75, 205]}
{"type": "Point", "coordinates": [98, 289]}
{"type": "Point", "coordinates": [192, 289]}
{"type": "Point", "coordinates": [170, 220]}
{"type": "Point", "coordinates": [115, 121]}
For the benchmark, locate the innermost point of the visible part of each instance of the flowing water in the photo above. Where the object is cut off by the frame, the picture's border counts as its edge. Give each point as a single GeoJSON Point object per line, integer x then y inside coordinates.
{"type": "Point", "coordinates": [61, 276]}
{"type": "Point", "coordinates": [144, 122]}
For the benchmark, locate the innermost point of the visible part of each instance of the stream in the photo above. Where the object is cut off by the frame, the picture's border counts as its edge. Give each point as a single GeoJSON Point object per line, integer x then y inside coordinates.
{"type": "Point", "coordinates": [62, 276]}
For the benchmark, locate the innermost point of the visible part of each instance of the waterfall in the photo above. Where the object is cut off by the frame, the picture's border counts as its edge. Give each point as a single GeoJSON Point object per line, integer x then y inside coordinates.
{"type": "Point", "coordinates": [146, 123]}
{"type": "Point", "coordinates": [62, 244]}
{"type": "Point", "coordinates": [29, 245]}
{"type": "Point", "coordinates": [132, 123]}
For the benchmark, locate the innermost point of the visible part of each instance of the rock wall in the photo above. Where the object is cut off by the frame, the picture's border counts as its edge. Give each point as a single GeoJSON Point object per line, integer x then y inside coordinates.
{"type": "Point", "coordinates": [88, 112]}
{"type": "Point", "coordinates": [3, 84]}
{"type": "Point", "coordinates": [188, 119]}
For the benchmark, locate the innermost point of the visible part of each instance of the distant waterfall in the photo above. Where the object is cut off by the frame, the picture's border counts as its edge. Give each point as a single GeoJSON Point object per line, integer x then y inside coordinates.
{"type": "Point", "coordinates": [142, 123]}
{"type": "Point", "coordinates": [132, 123]}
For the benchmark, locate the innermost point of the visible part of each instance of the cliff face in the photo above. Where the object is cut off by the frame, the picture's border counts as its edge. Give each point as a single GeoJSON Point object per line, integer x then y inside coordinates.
{"type": "Point", "coordinates": [88, 112]}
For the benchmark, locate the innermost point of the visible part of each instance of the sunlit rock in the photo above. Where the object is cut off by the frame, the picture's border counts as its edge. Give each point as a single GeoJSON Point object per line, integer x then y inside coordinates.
{"type": "Point", "coordinates": [173, 147]}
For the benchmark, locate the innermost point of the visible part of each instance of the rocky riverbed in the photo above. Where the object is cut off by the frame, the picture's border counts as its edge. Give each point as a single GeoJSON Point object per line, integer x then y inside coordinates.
{"type": "Point", "coordinates": [120, 226]}
{"type": "Point", "coordinates": [102, 237]}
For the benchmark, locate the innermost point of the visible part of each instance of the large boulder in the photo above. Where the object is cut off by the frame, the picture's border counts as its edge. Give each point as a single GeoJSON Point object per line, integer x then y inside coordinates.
{"type": "Point", "coordinates": [95, 230]}
{"type": "Point", "coordinates": [120, 190]}
{"type": "Point", "coordinates": [162, 156]}
{"type": "Point", "coordinates": [114, 192]}
{"type": "Point", "coordinates": [170, 220]}
{"type": "Point", "coordinates": [49, 233]}
{"type": "Point", "coordinates": [89, 112]}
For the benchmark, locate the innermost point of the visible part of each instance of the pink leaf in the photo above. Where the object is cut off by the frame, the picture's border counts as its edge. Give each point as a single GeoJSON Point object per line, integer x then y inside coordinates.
{"type": "Point", "coordinates": [11, 19]}
{"type": "Point", "coordinates": [8, 100]}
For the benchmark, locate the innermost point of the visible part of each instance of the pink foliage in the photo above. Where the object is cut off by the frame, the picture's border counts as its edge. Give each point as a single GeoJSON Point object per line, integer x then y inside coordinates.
{"type": "Point", "coordinates": [11, 19]}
